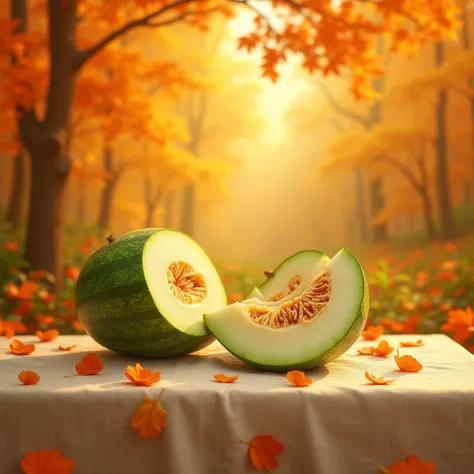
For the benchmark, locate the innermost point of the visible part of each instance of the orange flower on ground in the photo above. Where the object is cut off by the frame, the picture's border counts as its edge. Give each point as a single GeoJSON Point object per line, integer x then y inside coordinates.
{"type": "Point", "coordinates": [383, 349]}
{"type": "Point", "coordinates": [91, 364]}
{"type": "Point", "coordinates": [460, 291]}
{"type": "Point", "coordinates": [366, 351]}
{"type": "Point", "coordinates": [371, 333]}
{"type": "Point", "coordinates": [37, 275]}
{"type": "Point", "coordinates": [73, 273]}
{"type": "Point", "coordinates": [45, 318]}
{"type": "Point", "coordinates": [434, 291]}
{"type": "Point", "coordinates": [45, 296]}
{"type": "Point", "coordinates": [446, 275]}
{"type": "Point", "coordinates": [10, 328]}
{"type": "Point", "coordinates": [407, 363]}
{"type": "Point", "coordinates": [417, 343]}
{"type": "Point", "coordinates": [28, 377]}
{"type": "Point", "coordinates": [63, 347]}
{"type": "Point", "coordinates": [378, 380]}
{"type": "Point", "coordinates": [225, 379]}
{"type": "Point", "coordinates": [444, 307]}
{"type": "Point", "coordinates": [18, 348]}
{"type": "Point", "coordinates": [298, 378]}
{"type": "Point", "coordinates": [142, 377]}
{"type": "Point", "coordinates": [150, 418]}
{"type": "Point", "coordinates": [409, 305]}
{"type": "Point", "coordinates": [12, 290]}
{"type": "Point", "coordinates": [426, 305]}
{"type": "Point", "coordinates": [449, 264]}
{"type": "Point", "coordinates": [421, 279]}
{"type": "Point", "coordinates": [28, 290]}
{"type": "Point", "coordinates": [47, 336]}
{"type": "Point", "coordinates": [410, 325]}
{"type": "Point", "coordinates": [46, 462]}
{"type": "Point", "coordinates": [10, 246]}
{"type": "Point", "coordinates": [450, 247]}
{"type": "Point", "coordinates": [412, 465]}
{"type": "Point", "coordinates": [460, 323]}
{"type": "Point", "coordinates": [263, 450]}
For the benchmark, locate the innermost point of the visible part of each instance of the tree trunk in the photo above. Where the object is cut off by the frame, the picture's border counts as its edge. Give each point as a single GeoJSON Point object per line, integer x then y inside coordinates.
{"type": "Point", "coordinates": [150, 210]}
{"type": "Point", "coordinates": [81, 203]}
{"type": "Point", "coordinates": [16, 204]}
{"type": "Point", "coordinates": [108, 191]}
{"type": "Point", "coordinates": [379, 231]}
{"type": "Point", "coordinates": [189, 196]}
{"type": "Point", "coordinates": [448, 228]}
{"type": "Point", "coordinates": [361, 215]}
{"type": "Point", "coordinates": [428, 216]}
{"type": "Point", "coordinates": [170, 197]}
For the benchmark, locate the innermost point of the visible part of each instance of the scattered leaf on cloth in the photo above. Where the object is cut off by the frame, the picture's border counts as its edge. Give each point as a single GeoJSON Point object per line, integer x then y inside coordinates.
{"type": "Point", "coordinates": [10, 328]}
{"type": "Point", "coordinates": [48, 335]}
{"type": "Point", "coordinates": [378, 380]}
{"type": "Point", "coordinates": [366, 351]}
{"type": "Point", "coordinates": [371, 333]}
{"type": "Point", "coordinates": [412, 465]}
{"type": "Point", "coordinates": [383, 349]}
{"type": "Point", "coordinates": [225, 379]}
{"type": "Point", "coordinates": [46, 462]}
{"type": "Point", "coordinates": [298, 378]}
{"type": "Point", "coordinates": [412, 343]}
{"type": "Point", "coordinates": [63, 347]}
{"type": "Point", "coordinates": [263, 451]}
{"type": "Point", "coordinates": [18, 348]}
{"type": "Point", "coordinates": [150, 418]}
{"type": "Point", "coordinates": [28, 377]}
{"type": "Point", "coordinates": [142, 377]}
{"type": "Point", "coordinates": [91, 364]}
{"type": "Point", "coordinates": [407, 363]}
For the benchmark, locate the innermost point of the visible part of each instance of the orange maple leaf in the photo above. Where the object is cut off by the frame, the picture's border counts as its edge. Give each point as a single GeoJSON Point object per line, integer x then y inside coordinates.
{"type": "Point", "coordinates": [263, 450]}
{"type": "Point", "coordinates": [417, 343]}
{"type": "Point", "coordinates": [46, 462]}
{"type": "Point", "coordinates": [225, 379]}
{"type": "Point", "coordinates": [371, 333]}
{"type": "Point", "coordinates": [10, 328]}
{"type": "Point", "coordinates": [298, 378]}
{"type": "Point", "coordinates": [150, 418]}
{"type": "Point", "coordinates": [366, 350]}
{"type": "Point", "coordinates": [412, 465]}
{"type": "Point", "coordinates": [407, 363]}
{"type": "Point", "coordinates": [17, 347]}
{"type": "Point", "coordinates": [28, 377]}
{"type": "Point", "coordinates": [140, 376]}
{"type": "Point", "coordinates": [460, 324]}
{"type": "Point", "coordinates": [91, 364]}
{"type": "Point", "coordinates": [63, 347]}
{"type": "Point", "coordinates": [47, 336]}
{"type": "Point", "coordinates": [378, 380]}
{"type": "Point", "coordinates": [383, 349]}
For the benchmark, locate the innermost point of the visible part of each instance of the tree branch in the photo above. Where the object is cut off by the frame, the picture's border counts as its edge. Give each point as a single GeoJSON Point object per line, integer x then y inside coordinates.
{"type": "Point", "coordinates": [147, 20]}
{"type": "Point", "coordinates": [406, 171]}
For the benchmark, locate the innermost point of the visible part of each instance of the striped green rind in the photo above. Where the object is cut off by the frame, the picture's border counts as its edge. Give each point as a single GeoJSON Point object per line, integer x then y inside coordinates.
{"type": "Point", "coordinates": [115, 306]}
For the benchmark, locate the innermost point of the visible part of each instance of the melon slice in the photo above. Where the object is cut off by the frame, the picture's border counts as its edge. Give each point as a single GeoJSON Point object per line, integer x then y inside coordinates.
{"type": "Point", "coordinates": [144, 294]}
{"type": "Point", "coordinates": [289, 279]}
{"type": "Point", "coordinates": [307, 331]}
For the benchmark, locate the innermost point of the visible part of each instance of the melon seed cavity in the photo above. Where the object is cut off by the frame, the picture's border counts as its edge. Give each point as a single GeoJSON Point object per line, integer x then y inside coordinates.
{"type": "Point", "coordinates": [302, 308]}
{"type": "Point", "coordinates": [292, 285]}
{"type": "Point", "coordinates": [187, 285]}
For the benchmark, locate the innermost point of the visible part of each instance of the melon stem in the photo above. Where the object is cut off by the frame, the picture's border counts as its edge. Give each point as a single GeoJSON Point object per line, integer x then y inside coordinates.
{"type": "Point", "coordinates": [110, 238]}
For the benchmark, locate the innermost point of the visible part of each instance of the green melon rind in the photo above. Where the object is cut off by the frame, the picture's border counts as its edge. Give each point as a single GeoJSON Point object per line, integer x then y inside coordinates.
{"type": "Point", "coordinates": [346, 341]}
{"type": "Point", "coordinates": [112, 297]}
{"type": "Point", "coordinates": [259, 291]}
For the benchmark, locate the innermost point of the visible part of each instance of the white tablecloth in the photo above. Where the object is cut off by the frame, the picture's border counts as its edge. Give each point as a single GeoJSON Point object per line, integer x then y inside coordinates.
{"type": "Point", "coordinates": [338, 425]}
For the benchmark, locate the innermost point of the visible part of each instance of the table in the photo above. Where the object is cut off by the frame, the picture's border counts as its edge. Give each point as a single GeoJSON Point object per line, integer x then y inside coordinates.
{"type": "Point", "coordinates": [338, 425]}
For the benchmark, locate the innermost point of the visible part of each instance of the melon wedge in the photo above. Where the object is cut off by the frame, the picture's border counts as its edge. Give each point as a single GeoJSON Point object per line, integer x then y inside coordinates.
{"type": "Point", "coordinates": [144, 294]}
{"type": "Point", "coordinates": [289, 279]}
{"type": "Point", "coordinates": [308, 331]}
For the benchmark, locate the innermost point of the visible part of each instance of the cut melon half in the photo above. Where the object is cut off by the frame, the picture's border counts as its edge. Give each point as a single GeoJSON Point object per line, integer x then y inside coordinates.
{"type": "Point", "coordinates": [307, 331]}
{"type": "Point", "coordinates": [289, 279]}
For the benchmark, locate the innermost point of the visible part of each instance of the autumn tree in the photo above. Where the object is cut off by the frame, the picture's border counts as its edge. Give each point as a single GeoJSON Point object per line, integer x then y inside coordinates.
{"type": "Point", "coordinates": [328, 37]}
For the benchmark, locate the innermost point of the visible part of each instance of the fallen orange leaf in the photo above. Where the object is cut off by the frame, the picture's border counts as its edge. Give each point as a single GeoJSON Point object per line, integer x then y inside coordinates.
{"type": "Point", "coordinates": [10, 328]}
{"type": "Point", "coordinates": [407, 363]}
{"type": "Point", "coordinates": [140, 376]}
{"type": "Point", "coordinates": [298, 378]}
{"type": "Point", "coordinates": [412, 343]}
{"type": "Point", "coordinates": [18, 348]}
{"type": "Point", "coordinates": [263, 451]}
{"type": "Point", "coordinates": [412, 465]}
{"type": "Point", "coordinates": [46, 462]}
{"type": "Point", "coordinates": [28, 377]}
{"type": "Point", "coordinates": [150, 418]}
{"type": "Point", "coordinates": [372, 333]}
{"type": "Point", "coordinates": [378, 380]}
{"type": "Point", "coordinates": [366, 351]}
{"type": "Point", "coordinates": [383, 349]}
{"type": "Point", "coordinates": [91, 364]}
{"type": "Point", "coordinates": [48, 335]}
{"type": "Point", "coordinates": [62, 347]}
{"type": "Point", "coordinates": [225, 379]}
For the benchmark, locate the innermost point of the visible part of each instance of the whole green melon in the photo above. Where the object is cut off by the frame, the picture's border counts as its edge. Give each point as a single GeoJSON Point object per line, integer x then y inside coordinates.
{"type": "Point", "coordinates": [144, 294]}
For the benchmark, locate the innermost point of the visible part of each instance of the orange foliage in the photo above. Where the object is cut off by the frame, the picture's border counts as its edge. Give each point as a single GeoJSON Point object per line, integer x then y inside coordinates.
{"type": "Point", "coordinates": [460, 324]}
{"type": "Point", "coordinates": [412, 465]}
{"type": "Point", "coordinates": [298, 378]}
{"type": "Point", "coordinates": [91, 364]}
{"type": "Point", "coordinates": [142, 377]}
{"type": "Point", "coordinates": [63, 347]}
{"type": "Point", "coordinates": [263, 450]}
{"type": "Point", "coordinates": [17, 347]}
{"type": "Point", "coordinates": [46, 462]}
{"type": "Point", "coordinates": [407, 363]}
{"type": "Point", "coordinates": [417, 343]}
{"type": "Point", "coordinates": [378, 380]}
{"type": "Point", "coordinates": [47, 336]}
{"type": "Point", "coordinates": [371, 333]}
{"type": "Point", "coordinates": [383, 349]}
{"type": "Point", "coordinates": [28, 377]}
{"type": "Point", "coordinates": [10, 328]}
{"type": "Point", "coordinates": [225, 379]}
{"type": "Point", "coordinates": [150, 418]}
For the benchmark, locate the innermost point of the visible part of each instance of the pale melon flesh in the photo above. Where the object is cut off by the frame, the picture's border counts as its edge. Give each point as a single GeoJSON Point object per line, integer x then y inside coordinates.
{"type": "Point", "coordinates": [306, 344]}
